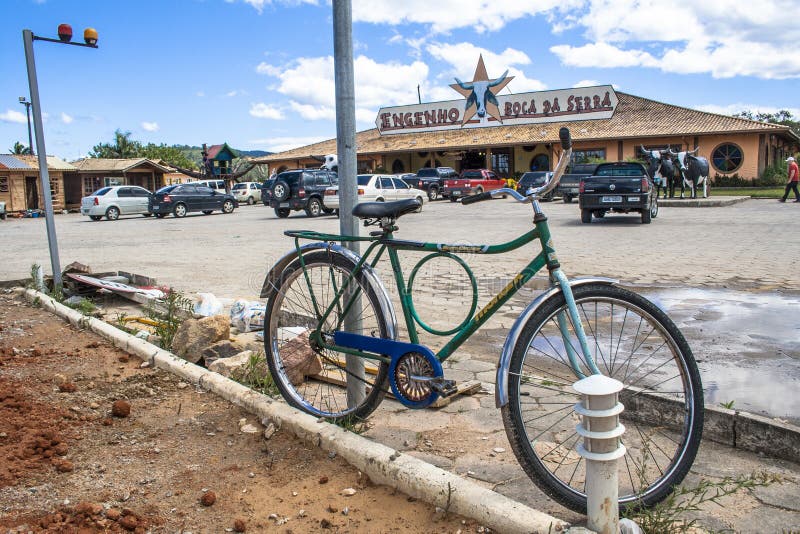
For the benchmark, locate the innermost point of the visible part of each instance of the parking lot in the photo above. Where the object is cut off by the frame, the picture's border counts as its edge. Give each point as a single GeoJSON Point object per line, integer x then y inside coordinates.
{"type": "Point", "coordinates": [749, 246]}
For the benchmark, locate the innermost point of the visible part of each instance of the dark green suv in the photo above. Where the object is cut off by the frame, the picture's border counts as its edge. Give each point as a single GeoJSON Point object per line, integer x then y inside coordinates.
{"type": "Point", "coordinates": [302, 189]}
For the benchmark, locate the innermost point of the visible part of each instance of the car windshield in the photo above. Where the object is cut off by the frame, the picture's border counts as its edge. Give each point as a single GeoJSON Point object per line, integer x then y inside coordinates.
{"type": "Point", "coordinates": [471, 174]}
{"type": "Point", "coordinates": [166, 189]}
{"type": "Point", "coordinates": [363, 179]}
{"type": "Point", "coordinates": [426, 173]}
{"type": "Point", "coordinates": [101, 192]}
{"type": "Point", "coordinates": [533, 178]}
{"type": "Point", "coordinates": [619, 170]}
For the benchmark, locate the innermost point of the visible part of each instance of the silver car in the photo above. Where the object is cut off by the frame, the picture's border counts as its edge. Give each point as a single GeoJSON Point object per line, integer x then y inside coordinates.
{"type": "Point", "coordinates": [111, 202]}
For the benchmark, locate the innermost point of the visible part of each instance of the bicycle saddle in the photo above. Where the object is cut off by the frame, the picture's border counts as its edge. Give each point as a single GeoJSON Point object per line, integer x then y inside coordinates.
{"type": "Point", "coordinates": [379, 210]}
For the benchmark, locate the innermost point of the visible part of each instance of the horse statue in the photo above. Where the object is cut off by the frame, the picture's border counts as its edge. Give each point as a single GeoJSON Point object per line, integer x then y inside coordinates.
{"type": "Point", "coordinates": [693, 170]}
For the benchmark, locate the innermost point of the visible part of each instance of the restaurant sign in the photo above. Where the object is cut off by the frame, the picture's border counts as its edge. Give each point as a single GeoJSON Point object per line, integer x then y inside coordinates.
{"type": "Point", "coordinates": [484, 107]}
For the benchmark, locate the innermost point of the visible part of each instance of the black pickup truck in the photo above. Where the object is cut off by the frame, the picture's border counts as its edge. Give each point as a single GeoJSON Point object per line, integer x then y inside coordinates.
{"type": "Point", "coordinates": [570, 182]}
{"type": "Point", "coordinates": [431, 180]}
{"type": "Point", "coordinates": [620, 187]}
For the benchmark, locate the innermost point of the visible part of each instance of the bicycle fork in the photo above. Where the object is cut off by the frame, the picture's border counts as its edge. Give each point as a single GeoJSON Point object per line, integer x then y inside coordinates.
{"type": "Point", "coordinates": [563, 326]}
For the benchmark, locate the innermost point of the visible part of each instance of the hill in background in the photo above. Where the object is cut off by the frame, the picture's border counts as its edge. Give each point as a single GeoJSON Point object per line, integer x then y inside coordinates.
{"type": "Point", "coordinates": [195, 153]}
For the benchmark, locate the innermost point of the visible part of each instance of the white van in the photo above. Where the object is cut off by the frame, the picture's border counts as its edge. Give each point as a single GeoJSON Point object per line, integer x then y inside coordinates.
{"type": "Point", "coordinates": [216, 185]}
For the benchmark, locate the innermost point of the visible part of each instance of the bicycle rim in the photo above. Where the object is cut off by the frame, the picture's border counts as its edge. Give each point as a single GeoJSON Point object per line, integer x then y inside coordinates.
{"type": "Point", "coordinates": [312, 378]}
{"type": "Point", "coordinates": [636, 343]}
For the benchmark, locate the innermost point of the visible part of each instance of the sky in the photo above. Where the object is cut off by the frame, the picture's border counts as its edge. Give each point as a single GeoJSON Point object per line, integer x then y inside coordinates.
{"type": "Point", "coordinates": [258, 74]}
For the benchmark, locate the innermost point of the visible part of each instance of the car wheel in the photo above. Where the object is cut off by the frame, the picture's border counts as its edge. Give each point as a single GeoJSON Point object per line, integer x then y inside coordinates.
{"type": "Point", "coordinates": [433, 193]}
{"type": "Point", "coordinates": [645, 216]}
{"type": "Point", "coordinates": [92, 217]}
{"type": "Point", "coordinates": [654, 209]}
{"type": "Point", "coordinates": [599, 214]}
{"type": "Point", "coordinates": [567, 199]}
{"type": "Point", "coordinates": [282, 212]}
{"type": "Point", "coordinates": [147, 214]}
{"type": "Point", "coordinates": [208, 212]}
{"type": "Point", "coordinates": [112, 213]}
{"type": "Point", "coordinates": [250, 201]}
{"type": "Point", "coordinates": [453, 199]}
{"type": "Point", "coordinates": [586, 216]}
{"type": "Point", "coordinates": [179, 210]}
{"type": "Point", "coordinates": [478, 190]}
{"type": "Point", "coordinates": [227, 206]}
{"type": "Point", "coordinates": [281, 191]}
{"type": "Point", "coordinates": [327, 211]}
{"type": "Point", "coordinates": [419, 199]}
{"type": "Point", "coordinates": [160, 215]}
{"type": "Point", "coordinates": [314, 207]}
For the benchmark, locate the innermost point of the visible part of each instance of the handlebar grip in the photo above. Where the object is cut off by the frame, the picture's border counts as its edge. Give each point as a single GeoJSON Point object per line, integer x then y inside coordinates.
{"type": "Point", "coordinates": [566, 139]}
{"type": "Point", "coordinates": [480, 197]}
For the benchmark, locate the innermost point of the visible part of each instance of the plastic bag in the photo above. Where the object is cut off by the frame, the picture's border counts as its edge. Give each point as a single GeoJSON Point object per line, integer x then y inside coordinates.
{"type": "Point", "coordinates": [208, 305]}
{"type": "Point", "coordinates": [247, 316]}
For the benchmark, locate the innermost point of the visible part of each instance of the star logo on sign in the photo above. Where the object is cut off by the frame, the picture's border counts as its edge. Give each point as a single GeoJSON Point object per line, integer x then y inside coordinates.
{"type": "Point", "coordinates": [481, 93]}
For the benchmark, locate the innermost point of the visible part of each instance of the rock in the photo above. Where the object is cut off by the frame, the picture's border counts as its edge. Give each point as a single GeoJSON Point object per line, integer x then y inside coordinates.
{"type": "Point", "coordinates": [348, 492]}
{"type": "Point", "coordinates": [499, 449]}
{"type": "Point", "coordinates": [323, 480]}
{"type": "Point", "coordinates": [67, 387]}
{"type": "Point", "coordinates": [299, 359]}
{"type": "Point", "coordinates": [249, 429]}
{"type": "Point", "coordinates": [64, 466]}
{"type": "Point", "coordinates": [239, 525]}
{"type": "Point", "coordinates": [129, 522]}
{"type": "Point", "coordinates": [121, 408]}
{"type": "Point", "coordinates": [269, 431]}
{"type": "Point", "coordinates": [208, 498]}
{"type": "Point", "coordinates": [220, 350]}
{"type": "Point", "coordinates": [194, 335]}
{"type": "Point", "coordinates": [325, 523]}
{"type": "Point", "coordinates": [113, 514]}
{"type": "Point", "coordinates": [233, 365]}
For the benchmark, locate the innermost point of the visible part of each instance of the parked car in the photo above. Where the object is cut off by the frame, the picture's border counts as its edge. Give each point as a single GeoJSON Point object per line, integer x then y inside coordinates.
{"type": "Point", "coordinates": [431, 180]}
{"type": "Point", "coordinates": [180, 199]}
{"type": "Point", "coordinates": [301, 189]}
{"type": "Point", "coordinates": [217, 185]}
{"type": "Point", "coordinates": [620, 187]}
{"type": "Point", "coordinates": [247, 192]}
{"type": "Point", "coordinates": [2, 211]}
{"type": "Point", "coordinates": [113, 201]}
{"type": "Point", "coordinates": [377, 188]}
{"type": "Point", "coordinates": [569, 185]}
{"type": "Point", "coordinates": [471, 181]}
{"type": "Point", "coordinates": [535, 179]}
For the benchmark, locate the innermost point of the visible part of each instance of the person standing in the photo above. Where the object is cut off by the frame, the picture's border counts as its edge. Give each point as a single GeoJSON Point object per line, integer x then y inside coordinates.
{"type": "Point", "coordinates": [793, 178]}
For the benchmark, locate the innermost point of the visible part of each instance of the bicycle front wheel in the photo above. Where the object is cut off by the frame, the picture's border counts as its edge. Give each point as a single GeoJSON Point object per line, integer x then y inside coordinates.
{"type": "Point", "coordinates": [633, 341]}
{"type": "Point", "coordinates": [309, 376]}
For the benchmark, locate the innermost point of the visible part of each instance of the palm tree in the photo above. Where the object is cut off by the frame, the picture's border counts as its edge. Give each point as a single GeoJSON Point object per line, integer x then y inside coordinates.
{"type": "Point", "coordinates": [19, 149]}
{"type": "Point", "coordinates": [123, 147]}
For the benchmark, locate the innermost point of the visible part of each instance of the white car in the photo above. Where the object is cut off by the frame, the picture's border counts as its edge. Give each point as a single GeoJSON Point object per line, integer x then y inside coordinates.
{"type": "Point", "coordinates": [113, 201]}
{"type": "Point", "coordinates": [247, 192]}
{"type": "Point", "coordinates": [376, 188]}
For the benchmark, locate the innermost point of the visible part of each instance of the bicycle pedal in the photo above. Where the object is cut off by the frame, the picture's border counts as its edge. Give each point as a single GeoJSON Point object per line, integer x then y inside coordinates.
{"type": "Point", "coordinates": [445, 388]}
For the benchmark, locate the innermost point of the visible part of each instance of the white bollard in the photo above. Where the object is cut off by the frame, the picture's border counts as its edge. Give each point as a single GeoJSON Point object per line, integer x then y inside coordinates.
{"type": "Point", "coordinates": [601, 430]}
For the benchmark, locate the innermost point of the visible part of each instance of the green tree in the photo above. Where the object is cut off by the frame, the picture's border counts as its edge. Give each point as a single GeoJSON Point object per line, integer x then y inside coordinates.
{"type": "Point", "coordinates": [171, 155]}
{"type": "Point", "coordinates": [783, 117]}
{"type": "Point", "coordinates": [19, 149]}
{"type": "Point", "coordinates": [122, 147]}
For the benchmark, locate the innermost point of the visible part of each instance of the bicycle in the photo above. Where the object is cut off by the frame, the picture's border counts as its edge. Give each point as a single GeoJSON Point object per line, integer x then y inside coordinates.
{"type": "Point", "coordinates": [331, 346]}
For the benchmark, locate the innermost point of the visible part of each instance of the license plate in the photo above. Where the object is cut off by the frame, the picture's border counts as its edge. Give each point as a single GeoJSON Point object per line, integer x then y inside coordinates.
{"type": "Point", "coordinates": [456, 193]}
{"type": "Point", "coordinates": [633, 199]}
{"type": "Point", "coordinates": [284, 205]}
{"type": "Point", "coordinates": [611, 199]}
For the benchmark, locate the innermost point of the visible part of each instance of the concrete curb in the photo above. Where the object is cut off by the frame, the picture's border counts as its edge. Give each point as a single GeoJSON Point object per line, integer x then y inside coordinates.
{"type": "Point", "coordinates": [382, 464]}
{"type": "Point", "coordinates": [710, 202]}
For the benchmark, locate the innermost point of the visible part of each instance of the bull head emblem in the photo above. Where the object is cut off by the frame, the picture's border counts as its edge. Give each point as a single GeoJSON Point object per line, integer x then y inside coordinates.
{"type": "Point", "coordinates": [481, 93]}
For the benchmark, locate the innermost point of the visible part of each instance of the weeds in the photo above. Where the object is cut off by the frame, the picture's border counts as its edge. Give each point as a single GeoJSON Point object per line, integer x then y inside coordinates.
{"type": "Point", "coordinates": [352, 423]}
{"type": "Point", "coordinates": [85, 306]}
{"type": "Point", "coordinates": [728, 405]}
{"type": "Point", "coordinates": [256, 376]}
{"type": "Point", "coordinates": [170, 318]}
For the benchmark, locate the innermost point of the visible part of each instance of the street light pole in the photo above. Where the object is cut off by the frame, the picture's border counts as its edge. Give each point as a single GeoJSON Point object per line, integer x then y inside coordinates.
{"type": "Point", "coordinates": [27, 105]}
{"type": "Point", "coordinates": [65, 34]}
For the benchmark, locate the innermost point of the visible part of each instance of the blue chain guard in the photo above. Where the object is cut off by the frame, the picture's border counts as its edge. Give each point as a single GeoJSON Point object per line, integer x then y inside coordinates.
{"type": "Point", "coordinates": [393, 349]}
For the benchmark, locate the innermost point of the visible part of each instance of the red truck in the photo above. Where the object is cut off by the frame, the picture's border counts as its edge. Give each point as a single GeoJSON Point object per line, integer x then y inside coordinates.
{"type": "Point", "coordinates": [471, 182]}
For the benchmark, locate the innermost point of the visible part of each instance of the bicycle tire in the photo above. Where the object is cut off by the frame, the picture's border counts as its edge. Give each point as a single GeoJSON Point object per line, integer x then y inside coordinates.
{"type": "Point", "coordinates": [542, 431]}
{"type": "Point", "coordinates": [290, 309]}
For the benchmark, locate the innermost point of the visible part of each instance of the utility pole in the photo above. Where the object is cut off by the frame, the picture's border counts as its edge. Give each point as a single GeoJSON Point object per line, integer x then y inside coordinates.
{"type": "Point", "coordinates": [27, 105]}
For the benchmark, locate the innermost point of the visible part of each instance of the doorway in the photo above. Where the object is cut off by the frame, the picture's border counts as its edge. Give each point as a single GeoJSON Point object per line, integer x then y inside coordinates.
{"type": "Point", "coordinates": [473, 159]}
{"type": "Point", "coordinates": [31, 193]}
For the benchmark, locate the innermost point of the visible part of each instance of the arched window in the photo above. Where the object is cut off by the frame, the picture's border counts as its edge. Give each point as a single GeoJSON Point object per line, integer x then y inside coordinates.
{"type": "Point", "coordinates": [540, 163]}
{"type": "Point", "coordinates": [727, 157]}
{"type": "Point", "coordinates": [398, 167]}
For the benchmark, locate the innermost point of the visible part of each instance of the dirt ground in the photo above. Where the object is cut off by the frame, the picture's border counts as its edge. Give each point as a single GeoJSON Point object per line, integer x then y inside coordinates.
{"type": "Point", "coordinates": [179, 461]}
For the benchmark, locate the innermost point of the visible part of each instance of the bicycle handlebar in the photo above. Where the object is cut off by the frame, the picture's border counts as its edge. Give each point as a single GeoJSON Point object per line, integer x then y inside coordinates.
{"type": "Point", "coordinates": [561, 166]}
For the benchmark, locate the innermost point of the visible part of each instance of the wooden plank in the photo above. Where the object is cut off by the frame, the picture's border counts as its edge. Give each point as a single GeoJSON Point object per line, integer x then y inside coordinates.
{"type": "Point", "coordinates": [469, 387]}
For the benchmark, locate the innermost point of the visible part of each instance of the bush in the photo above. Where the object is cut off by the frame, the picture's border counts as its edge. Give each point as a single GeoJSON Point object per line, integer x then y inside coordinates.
{"type": "Point", "coordinates": [772, 176]}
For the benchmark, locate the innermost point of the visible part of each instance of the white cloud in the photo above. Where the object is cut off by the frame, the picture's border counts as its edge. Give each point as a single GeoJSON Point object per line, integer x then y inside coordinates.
{"type": "Point", "coordinates": [260, 4]}
{"type": "Point", "coordinates": [313, 112]}
{"type": "Point", "coordinates": [602, 55]}
{"type": "Point", "coordinates": [731, 109]}
{"type": "Point", "coordinates": [280, 144]}
{"type": "Point", "coordinates": [150, 126]}
{"type": "Point", "coordinates": [264, 111]}
{"type": "Point", "coordinates": [233, 93]}
{"type": "Point", "coordinates": [200, 94]}
{"type": "Point", "coordinates": [587, 83]}
{"type": "Point", "coordinates": [66, 119]}
{"type": "Point", "coordinates": [13, 116]}
{"type": "Point", "coordinates": [266, 68]}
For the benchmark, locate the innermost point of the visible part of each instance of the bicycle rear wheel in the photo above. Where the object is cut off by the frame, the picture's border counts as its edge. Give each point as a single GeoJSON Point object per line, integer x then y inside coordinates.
{"type": "Point", "coordinates": [633, 341]}
{"type": "Point", "coordinates": [310, 377]}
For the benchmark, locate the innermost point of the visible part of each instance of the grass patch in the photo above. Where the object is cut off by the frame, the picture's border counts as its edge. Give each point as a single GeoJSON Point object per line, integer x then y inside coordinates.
{"type": "Point", "coordinates": [256, 375]}
{"type": "Point", "coordinates": [755, 192]}
{"type": "Point", "coordinates": [170, 318]}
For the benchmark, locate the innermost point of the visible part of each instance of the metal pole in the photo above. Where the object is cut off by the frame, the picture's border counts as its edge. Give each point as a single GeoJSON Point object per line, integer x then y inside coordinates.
{"type": "Point", "coordinates": [30, 135]}
{"type": "Point", "coordinates": [52, 240]}
{"type": "Point", "coordinates": [346, 153]}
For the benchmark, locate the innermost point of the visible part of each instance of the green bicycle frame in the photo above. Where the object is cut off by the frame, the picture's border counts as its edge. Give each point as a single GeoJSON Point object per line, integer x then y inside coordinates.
{"type": "Point", "coordinates": [387, 244]}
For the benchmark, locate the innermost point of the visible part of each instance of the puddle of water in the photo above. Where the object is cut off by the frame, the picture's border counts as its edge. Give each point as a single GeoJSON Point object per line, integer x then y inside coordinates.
{"type": "Point", "coordinates": [747, 346]}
